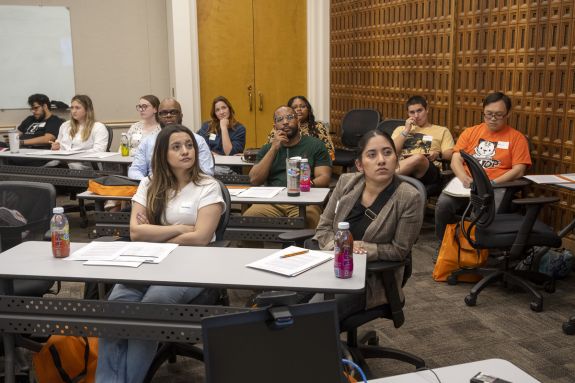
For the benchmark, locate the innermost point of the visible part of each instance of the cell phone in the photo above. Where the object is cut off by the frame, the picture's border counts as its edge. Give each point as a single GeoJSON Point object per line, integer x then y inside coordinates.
{"type": "Point", "coordinates": [482, 378]}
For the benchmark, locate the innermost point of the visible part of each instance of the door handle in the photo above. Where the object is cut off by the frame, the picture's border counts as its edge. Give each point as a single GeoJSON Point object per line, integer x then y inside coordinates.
{"type": "Point", "coordinates": [261, 107]}
{"type": "Point", "coordinates": [250, 97]}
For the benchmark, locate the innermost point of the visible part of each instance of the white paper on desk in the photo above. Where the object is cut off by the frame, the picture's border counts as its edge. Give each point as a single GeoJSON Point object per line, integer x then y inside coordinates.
{"type": "Point", "coordinates": [49, 152]}
{"type": "Point", "coordinates": [261, 192]}
{"type": "Point", "coordinates": [236, 191]}
{"type": "Point", "coordinates": [113, 263]}
{"type": "Point", "coordinates": [98, 154]}
{"type": "Point", "coordinates": [551, 179]}
{"type": "Point", "coordinates": [455, 188]}
{"type": "Point", "coordinates": [113, 251]}
{"type": "Point", "coordinates": [291, 266]}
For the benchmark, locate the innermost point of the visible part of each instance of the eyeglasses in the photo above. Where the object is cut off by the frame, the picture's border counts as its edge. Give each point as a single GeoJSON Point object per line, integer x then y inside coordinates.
{"type": "Point", "coordinates": [169, 112]}
{"type": "Point", "coordinates": [141, 107]}
{"type": "Point", "coordinates": [288, 117]}
{"type": "Point", "coordinates": [491, 115]}
{"type": "Point", "coordinates": [35, 108]}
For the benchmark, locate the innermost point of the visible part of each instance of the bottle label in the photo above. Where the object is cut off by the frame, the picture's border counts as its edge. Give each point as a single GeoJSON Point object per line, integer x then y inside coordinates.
{"type": "Point", "coordinates": [343, 261]}
{"type": "Point", "coordinates": [60, 243]}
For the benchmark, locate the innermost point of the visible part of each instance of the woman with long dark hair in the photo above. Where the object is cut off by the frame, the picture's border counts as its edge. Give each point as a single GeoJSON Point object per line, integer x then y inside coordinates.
{"type": "Point", "coordinates": [223, 133]}
{"type": "Point", "coordinates": [176, 204]}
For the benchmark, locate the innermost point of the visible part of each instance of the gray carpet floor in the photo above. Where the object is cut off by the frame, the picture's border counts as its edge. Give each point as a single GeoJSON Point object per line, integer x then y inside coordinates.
{"type": "Point", "coordinates": [441, 329]}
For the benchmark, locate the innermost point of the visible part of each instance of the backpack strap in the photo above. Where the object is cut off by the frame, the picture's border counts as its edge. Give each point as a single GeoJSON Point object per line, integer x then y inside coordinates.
{"type": "Point", "coordinates": [58, 363]}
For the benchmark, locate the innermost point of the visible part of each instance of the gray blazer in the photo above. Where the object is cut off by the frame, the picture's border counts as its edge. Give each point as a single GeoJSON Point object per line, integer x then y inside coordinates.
{"type": "Point", "coordinates": [389, 237]}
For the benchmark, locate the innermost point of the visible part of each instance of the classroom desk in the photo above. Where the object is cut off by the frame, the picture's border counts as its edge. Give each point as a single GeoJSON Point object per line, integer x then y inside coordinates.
{"type": "Point", "coordinates": [462, 373]}
{"type": "Point", "coordinates": [239, 227]}
{"type": "Point", "coordinates": [231, 161]}
{"type": "Point", "coordinates": [189, 266]}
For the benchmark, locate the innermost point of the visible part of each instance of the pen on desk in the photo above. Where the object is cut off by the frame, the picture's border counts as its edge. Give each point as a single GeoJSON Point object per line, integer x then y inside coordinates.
{"type": "Point", "coordinates": [294, 254]}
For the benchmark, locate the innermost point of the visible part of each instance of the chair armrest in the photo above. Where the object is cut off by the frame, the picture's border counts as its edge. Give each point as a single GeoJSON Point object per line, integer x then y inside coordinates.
{"type": "Point", "coordinates": [296, 235]}
{"type": "Point", "coordinates": [512, 184]}
{"type": "Point", "coordinates": [535, 200]}
{"type": "Point", "coordinates": [381, 266]}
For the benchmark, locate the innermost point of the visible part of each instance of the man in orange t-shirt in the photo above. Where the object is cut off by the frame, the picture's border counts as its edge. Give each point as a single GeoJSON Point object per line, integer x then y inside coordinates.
{"type": "Point", "coordinates": [501, 150]}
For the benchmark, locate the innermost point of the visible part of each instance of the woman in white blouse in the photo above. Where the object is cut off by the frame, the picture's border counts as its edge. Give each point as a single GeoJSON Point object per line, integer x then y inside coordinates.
{"type": "Point", "coordinates": [149, 124]}
{"type": "Point", "coordinates": [82, 132]}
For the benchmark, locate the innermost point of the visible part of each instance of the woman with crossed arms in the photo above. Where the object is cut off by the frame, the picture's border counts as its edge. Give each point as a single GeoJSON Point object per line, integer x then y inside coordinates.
{"type": "Point", "coordinates": [176, 204]}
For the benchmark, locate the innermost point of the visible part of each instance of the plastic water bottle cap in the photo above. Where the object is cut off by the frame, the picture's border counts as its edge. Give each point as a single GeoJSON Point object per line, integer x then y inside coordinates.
{"type": "Point", "coordinates": [343, 226]}
{"type": "Point", "coordinates": [303, 160]}
{"type": "Point", "coordinates": [58, 210]}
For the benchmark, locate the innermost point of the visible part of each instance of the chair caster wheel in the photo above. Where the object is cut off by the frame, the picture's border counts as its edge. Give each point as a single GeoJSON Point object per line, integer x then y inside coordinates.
{"type": "Point", "coordinates": [452, 280]}
{"type": "Point", "coordinates": [470, 300]}
{"type": "Point", "coordinates": [373, 341]}
{"type": "Point", "coordinates": [536, 306]}
{"type": "Point", "coordinates": [569, 328]}
{"type": "Point", "coordinates": [549, 287]}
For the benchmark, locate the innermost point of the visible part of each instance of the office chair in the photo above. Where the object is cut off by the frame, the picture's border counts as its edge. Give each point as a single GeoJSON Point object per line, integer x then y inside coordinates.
{"type": "Point", "coordinates": [389, 126]}
{"type": "Point", "coordinates": [35, 201]}
{"type": "Point", "coordinates": [169, 350]}
{"type": "Point", "coordinates": [367, 347]}
{"type": "Point", "coordinates": [512, 234]}
{"type": "Point", "coordinates": [353, 126]}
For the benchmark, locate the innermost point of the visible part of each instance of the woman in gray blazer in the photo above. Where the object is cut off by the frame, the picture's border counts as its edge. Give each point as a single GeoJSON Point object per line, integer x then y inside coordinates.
{"type": "Point", "coordinates": [385, 215]}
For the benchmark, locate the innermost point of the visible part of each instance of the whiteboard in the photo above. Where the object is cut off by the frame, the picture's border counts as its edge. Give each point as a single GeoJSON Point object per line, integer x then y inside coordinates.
{"type": "Point", "coordinates": [35, 54]}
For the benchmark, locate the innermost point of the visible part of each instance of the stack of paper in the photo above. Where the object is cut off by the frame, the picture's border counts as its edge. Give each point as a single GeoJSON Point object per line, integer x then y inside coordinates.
{"type": "Point", "coordinates": [260, 192]}
{"type": "Point", "coordinates": [127, 254]}
{"type": "Point", "coordinates": [280, 262]}
{"type": "Point", "coordinates": [98, 154]}
{"type": "Point", "coordinates": [49, 152]}
{"type": "Point", "coordinates": [455, 188]}
{"type": "Point", "coordinates": [552, 178]}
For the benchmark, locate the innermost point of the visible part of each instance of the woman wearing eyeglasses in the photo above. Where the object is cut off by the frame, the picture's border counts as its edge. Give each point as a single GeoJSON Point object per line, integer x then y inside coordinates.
{"type": "Point", "coordinates": [308, 126]}
{"type": "Point", "coordinates": [500, 149]}
{"type": "Point", "coordinates": [149, 123]}
{"type": "Point", "coordinates": [223, 134]}
{"type": "Point", "coordinates": [81, 132]}
{"type": "Point", "coordinates": [384, 214]}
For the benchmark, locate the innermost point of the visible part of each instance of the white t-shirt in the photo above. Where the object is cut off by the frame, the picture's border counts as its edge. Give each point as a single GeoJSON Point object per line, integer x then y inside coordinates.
{"type": "Point", "coordinates": [183, 208]}
{"type": "Point", "coordinates": [96, 142]}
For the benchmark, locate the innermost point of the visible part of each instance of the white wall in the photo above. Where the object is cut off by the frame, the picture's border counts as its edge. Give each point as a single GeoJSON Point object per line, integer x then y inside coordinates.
{"type": "Point", "coordinates": [120, 52]}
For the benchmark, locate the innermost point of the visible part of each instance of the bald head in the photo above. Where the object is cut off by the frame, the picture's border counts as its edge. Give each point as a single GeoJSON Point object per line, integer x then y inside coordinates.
{"type": "Point", "coordinates": [170, 112]}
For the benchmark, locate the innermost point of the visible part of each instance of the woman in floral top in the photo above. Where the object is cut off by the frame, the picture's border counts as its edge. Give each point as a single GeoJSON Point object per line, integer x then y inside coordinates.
{"type": "Point", "coordinates": [308, 126]}
{"type": "Point", "coordinates": [148, 109]}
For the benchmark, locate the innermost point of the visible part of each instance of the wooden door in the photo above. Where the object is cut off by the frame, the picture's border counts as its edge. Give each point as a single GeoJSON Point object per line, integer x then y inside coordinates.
{"type": "Point", "coordinates": [254, 53]}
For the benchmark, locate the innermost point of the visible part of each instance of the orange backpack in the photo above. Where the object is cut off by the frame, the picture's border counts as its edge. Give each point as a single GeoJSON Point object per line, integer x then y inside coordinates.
{"type": "Point", "coordinates": [118, 186]}
{"type": "Point", "coordinates": [457, 253]}
{"type": "Point", "coordinates": [67, 359]}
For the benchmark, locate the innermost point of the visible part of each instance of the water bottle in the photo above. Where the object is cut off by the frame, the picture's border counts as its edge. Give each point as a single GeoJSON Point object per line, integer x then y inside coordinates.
{"type": "Point", "coordinates": [60, 231]}
{"type": "Point", "coordinates": [125, 145]}
{"type": "Point", "coordinates": [343, 260]}
{"type": "Point", "coordinates": [305, 176]}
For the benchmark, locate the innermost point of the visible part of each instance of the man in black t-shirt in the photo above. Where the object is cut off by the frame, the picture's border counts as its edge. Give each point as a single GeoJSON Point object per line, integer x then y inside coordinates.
{"type": "Point", "coordinates": [42, 126]}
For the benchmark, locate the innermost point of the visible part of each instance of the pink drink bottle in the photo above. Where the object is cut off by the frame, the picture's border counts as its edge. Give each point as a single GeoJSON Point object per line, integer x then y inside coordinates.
{"type": "Point", "coordinates": [305, 176]}
{"type": "Point", "coordinates": [343, 259]}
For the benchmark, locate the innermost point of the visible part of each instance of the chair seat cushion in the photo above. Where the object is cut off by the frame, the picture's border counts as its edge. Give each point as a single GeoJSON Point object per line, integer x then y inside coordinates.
{"type": "Point", "coordinates": [502, 232]}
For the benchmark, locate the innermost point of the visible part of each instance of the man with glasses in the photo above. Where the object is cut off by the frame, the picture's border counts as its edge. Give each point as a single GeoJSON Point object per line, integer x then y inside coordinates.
{"type": "Point", "coordinates": [270, 167]}
{"type": "Point", "coordinates": [169, 113]}
{"type": "Point", "coordinates": [501, 150]}
{"type": "Point", "coordinates": [42, 126]}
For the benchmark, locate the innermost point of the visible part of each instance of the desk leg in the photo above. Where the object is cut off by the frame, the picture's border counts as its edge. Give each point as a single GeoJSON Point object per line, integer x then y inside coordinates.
{"type": "Point", "coordinates": [9, 358]}
{"type": "Point", "coordinates": [7, 288]}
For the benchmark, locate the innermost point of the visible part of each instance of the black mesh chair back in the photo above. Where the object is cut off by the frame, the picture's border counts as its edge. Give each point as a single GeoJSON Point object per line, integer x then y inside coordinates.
{"type": "Point", "coordinates": [388, 126]}
{"type": "Point", "coordinates": [482, 201]}
{"type": "Point", "coordinates": [110, 138]}
{"type": "Point", "coordinates": [35, 201]}
{"type": "Point", "coordinates": [225, 218]}
{"type": "Point", "coordinates": [356, 123]}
